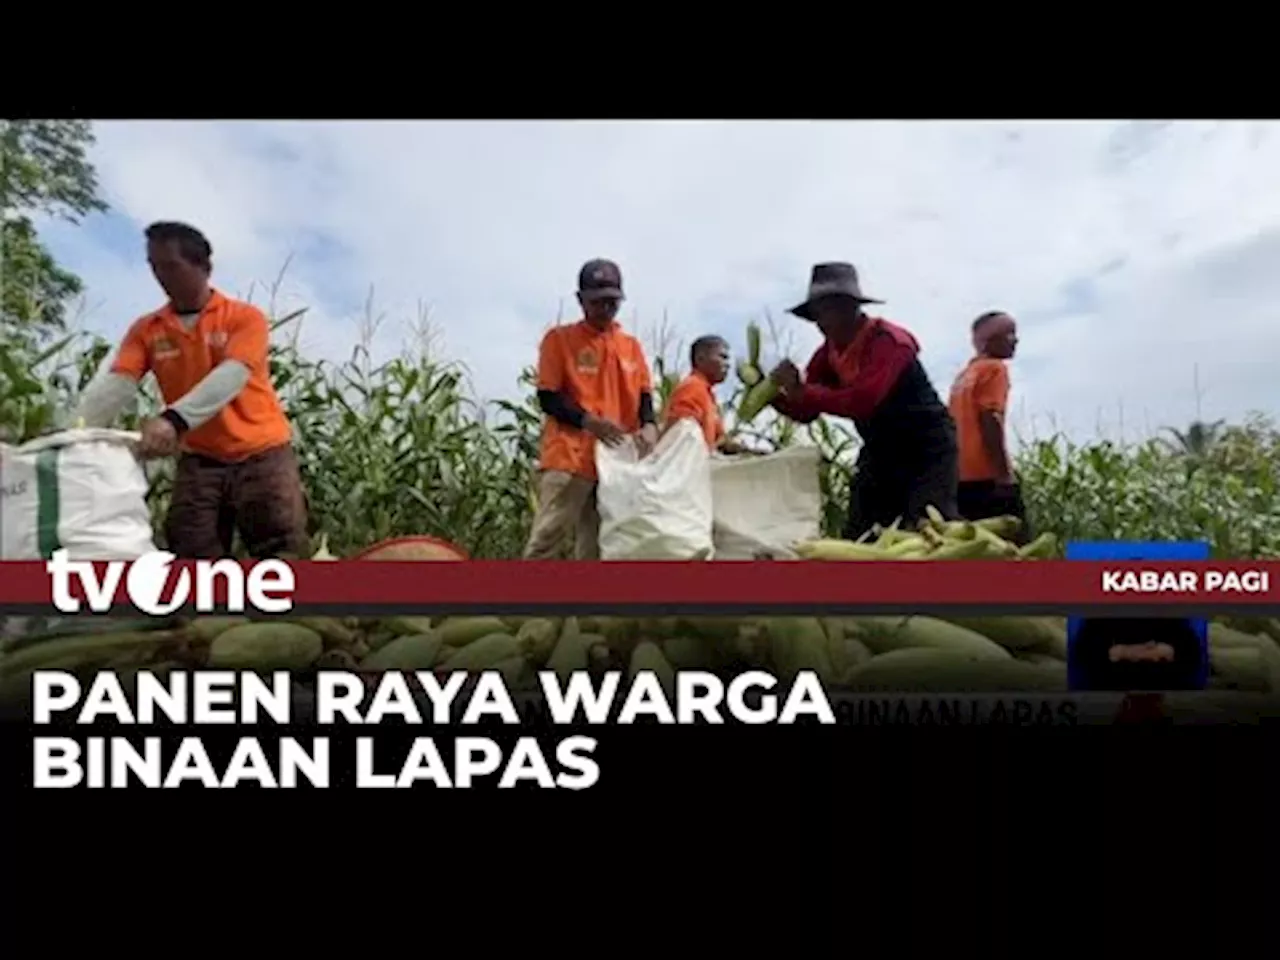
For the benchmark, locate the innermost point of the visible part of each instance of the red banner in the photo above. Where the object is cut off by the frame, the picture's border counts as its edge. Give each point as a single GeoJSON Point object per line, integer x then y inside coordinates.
{"type": "Point", "coordinates": [527, 585]}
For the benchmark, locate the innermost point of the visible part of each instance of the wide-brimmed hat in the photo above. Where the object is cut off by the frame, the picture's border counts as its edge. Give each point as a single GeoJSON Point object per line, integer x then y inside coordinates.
{"type": "Point", "coordinates": [600, 280]}
{"type": "Point", "coordinates": [832, 279]}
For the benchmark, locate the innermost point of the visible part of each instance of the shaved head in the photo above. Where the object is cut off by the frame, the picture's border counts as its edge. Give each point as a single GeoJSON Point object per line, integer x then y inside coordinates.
{"type": "Point", "coordinates": [995, 334]}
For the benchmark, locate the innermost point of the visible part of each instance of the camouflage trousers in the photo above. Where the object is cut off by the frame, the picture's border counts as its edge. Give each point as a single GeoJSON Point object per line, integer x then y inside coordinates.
{"type": "Point", "coordinates": [261, 498]}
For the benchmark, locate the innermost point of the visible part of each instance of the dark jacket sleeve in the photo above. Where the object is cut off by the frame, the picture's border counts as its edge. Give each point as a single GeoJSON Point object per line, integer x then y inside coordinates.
{"type": "Point", "coordinates": [557, 405]}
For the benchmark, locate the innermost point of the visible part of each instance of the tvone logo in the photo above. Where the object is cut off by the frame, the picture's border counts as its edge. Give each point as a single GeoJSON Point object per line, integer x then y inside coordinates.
{"type": "Point", "coordinates": [265, 587]}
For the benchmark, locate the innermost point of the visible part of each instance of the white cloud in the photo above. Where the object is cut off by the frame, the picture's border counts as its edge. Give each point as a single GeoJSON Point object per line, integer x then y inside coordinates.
{"type": "Point", "coordinates": [1137, 255]}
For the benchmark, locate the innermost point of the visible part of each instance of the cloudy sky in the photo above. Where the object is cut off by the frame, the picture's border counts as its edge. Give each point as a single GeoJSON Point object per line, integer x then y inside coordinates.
{"type": "Point", "coordinates": [1138, 257]}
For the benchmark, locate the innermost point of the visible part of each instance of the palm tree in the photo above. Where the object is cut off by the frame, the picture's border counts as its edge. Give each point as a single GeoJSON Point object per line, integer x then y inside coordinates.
{"type": "Point", "coordinates": [1199, 440]}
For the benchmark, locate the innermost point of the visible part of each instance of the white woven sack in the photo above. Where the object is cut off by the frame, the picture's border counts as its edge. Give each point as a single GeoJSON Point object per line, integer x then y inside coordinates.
{"type": "Point", "coordinates": [764, 505]}
{"type": "Point", "coordinates": [83, 491]}
{"type": "Point", "coordinates": [658, 507]}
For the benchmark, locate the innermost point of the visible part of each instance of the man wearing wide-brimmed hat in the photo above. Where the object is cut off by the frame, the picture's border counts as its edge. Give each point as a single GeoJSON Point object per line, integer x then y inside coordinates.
{"type": "Point", "coordinates": [869, 371]}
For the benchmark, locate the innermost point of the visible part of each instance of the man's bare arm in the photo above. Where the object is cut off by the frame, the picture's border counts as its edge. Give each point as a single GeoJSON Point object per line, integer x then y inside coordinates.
{"type": "Point", "coordinates": [992, 429]}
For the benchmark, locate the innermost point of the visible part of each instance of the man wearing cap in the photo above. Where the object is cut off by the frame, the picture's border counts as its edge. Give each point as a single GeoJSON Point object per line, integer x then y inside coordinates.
{"type": "Point", "coordinates": [979, 399]}
{"type": "Point", "coordinates": [594, 385]}
{"type": "Point", "coordinates": [869, 371]}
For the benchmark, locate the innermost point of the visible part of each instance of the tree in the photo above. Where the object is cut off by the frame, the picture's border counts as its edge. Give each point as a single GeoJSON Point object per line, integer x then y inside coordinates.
{"type": "Point", "coordinates": [1198, 441]}
{"type": "Point", "coordinates": [44, 170]}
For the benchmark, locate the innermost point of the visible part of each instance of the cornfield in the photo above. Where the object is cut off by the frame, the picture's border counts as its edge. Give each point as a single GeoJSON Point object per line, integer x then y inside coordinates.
{"type": "Point", "coordinates": [401, 447]}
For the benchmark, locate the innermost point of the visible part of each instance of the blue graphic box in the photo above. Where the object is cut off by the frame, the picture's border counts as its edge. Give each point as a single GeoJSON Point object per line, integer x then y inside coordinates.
{"type": "Point", "coordinates": [1126, 550]}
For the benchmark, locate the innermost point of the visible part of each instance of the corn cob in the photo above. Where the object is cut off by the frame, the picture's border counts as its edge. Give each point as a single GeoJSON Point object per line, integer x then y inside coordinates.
{"type": "Point", "coordinates": [541, 635]}
{"type": "Point", "coordinates": [420, 651]}
{"type": "Point", "coordinates": [962, 550]}
{"type": "Point", "coordinates": [753, 345]}
{"type": "Point", "coordinates": [460, 631]}
{"type": "Point", "coordinates": [959, 530]}
{"type": "Point", "coordinates": [1013, 633]}
{"type": "Point", "coordinates": [888, 536]}
{"type": "Point", "coordinates": [322, 552]}
{"type": "Point", "coordinates": [1221, 635]}
{"type": "Point", "coordinates": [332, 630]}
{"type": "Point", "coordinates": [999, 546]}
{"type": "Point", "coordinates": [403, 626]}
{"type": "Point", "coordinates": [572, 652]}
{"type": "Point", "coordinates": [1041, 548]}
{"type": "Point", "coordinates": [85, 650]}
{"type": "Point", "coordinates": [935, 517]}
{"type": "Point", "coordinates": [1247, 669]}
{"type": "Point", "coordinates": [847, 654]}
{"type": "Point", "coordinates": [1001, 526]}
{"type": "Point", "coordinates": [882, 634]}
{"type": "Point", "coordinates": [839, 550]}
{"type": "Point", "coordinates": [486, 652]}
{"type": "Point", "coordinates": [910, 544]}
{"type": "Point", "coordinates": [756, 399]}
{"type": "Point", "coordinates": [799, 643]}
{"type": "Point", "coordinates": [266, 646]}
{"type": "Point", "coordinates": [1253, 625]}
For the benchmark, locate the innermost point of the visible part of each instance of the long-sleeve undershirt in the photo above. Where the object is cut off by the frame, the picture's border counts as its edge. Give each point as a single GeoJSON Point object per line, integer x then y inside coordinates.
{"type": "Point", "coordinates": [558, 405]}
{"type": "Point", "coordinates": [110, 393]}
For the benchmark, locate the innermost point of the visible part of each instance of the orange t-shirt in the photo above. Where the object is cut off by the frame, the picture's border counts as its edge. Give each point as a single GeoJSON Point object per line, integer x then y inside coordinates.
{"type": "Point", "coordinates": [180, 358]}
{"type": "Point", "coordinates": [694, 398]}
{"type": "Point", "coordinates": [602, 371]}
{"type": "Point", "coordinates": [983, 385]}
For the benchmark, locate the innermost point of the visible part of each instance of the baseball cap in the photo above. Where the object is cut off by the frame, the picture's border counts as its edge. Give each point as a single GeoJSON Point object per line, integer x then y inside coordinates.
{"type": "Point", "coordinates": [600, 279]}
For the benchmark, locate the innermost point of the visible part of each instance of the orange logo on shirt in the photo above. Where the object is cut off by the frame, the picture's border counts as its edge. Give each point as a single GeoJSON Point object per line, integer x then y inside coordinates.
{"type": "Point", "coordinates": [162, 348]}
{"type": "Point", "coordinates": [587, 362]}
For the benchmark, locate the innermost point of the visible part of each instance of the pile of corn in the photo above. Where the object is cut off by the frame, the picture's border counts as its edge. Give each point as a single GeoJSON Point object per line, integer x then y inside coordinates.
{"type": "Point", "coordinates": [937, 539]}
{"type": "Point", "coordinates": [856, 654]}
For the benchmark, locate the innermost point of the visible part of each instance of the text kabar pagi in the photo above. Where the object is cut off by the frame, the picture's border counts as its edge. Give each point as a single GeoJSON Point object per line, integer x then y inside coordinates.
{"type": "Point", "coordinates": [1247, 581]}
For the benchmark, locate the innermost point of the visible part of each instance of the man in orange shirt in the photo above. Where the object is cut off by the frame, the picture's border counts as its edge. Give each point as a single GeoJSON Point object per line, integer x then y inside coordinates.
{"type": "Point", "coordinates": [695, 399]}
{"type": "Point", "coordinates": [594, 385]}
{"type": "Point", "coordinates": [979, 400]}
{"type": "Point", "coordinates": [236, 466]}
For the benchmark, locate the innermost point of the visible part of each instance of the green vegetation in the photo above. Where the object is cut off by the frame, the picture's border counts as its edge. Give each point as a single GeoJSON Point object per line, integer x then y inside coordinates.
{"type": "Point", "coordinates": [402, 448]}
